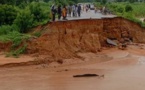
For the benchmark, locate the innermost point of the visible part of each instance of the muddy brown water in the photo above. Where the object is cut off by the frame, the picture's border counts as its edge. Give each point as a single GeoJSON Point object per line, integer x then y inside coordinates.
{"type": "Point", "coordinates": [124, 71]}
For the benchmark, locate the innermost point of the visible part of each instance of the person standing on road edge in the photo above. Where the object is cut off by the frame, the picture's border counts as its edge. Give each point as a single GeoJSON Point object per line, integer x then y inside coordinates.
{"type": "Point", "coordinates": [53, 12]}
{"type": "Point", "coordinates": [73, 10]}
{"type": "Point", "coordinates": [64, 12]}
{"type": "Point", "coordinates": [79, 10]}
{"type": "Point", "coordinates": [69, 10]}
{"type": "Point", "coordinates": [59, 12]}
{"type": "Point", "coordinates": [76, 10]}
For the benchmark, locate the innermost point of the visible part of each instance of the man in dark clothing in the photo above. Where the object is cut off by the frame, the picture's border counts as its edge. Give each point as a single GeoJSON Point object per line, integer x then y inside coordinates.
{"type": "Point", "coordinates": [59, 11]}
{"type": "Point", "coordinates": [79, 10]}
{"type": "Point", "coordinates": [89, 6]}
{"type": "Point", "coordinates": [53, 11]}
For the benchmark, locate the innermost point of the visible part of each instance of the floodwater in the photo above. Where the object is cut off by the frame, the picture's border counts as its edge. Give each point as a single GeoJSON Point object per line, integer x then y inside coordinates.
{"type": "Point", "coordinates": [122, 70]}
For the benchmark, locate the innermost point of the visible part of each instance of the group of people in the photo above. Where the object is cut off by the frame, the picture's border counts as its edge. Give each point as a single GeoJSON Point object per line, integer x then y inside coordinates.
{"type": "Point", "coordinates": [75, 10]}
{"type": "Point", "coordinates": [70, 11]}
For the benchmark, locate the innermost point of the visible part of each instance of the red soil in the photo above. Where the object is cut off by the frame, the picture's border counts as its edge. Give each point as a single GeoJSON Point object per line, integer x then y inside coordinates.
{"type": "Point", "coordinates": [65, 38]}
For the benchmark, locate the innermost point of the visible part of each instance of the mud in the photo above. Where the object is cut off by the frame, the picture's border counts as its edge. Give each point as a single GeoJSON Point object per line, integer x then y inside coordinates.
{"type": "Point", "coordinates": [124, 71]}
{"type": "Point", "coordinates": [78, 47]}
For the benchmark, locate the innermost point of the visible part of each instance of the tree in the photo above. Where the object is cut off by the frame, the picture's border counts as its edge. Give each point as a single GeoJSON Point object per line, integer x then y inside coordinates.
{"type": "Point", "coordinates": [24, 20]}
{"type": "Point", "coordinates": [104, 2]}
{"type": "Point", "coordinates": [38, 13]}
{"type": "Point", "coordinates": [8, 14]}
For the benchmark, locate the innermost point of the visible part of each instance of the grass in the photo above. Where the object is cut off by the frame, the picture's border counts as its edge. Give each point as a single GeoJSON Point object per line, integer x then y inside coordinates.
{"type": "Point", "coordinates": [137, 12]}
{"type": "Point", "coordinates": [18, 42]}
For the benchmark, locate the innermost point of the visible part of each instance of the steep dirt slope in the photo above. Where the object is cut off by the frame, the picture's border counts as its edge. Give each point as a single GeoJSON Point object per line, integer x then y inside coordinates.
{"type": "Point", "coordinates": [66, 39]}
{"type": "Point", "coordinates": [63, 39]}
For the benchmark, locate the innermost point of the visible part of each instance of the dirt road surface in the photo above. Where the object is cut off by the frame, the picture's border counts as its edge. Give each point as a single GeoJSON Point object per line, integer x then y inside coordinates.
{"type": "Point", "coordinates": [122, 70]}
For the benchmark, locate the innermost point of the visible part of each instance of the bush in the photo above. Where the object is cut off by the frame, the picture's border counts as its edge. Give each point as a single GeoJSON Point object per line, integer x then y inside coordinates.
{"type": "Point", "coordinates": [8, 14]}
{"type": "Point", "coordinates": [128, 8]}
{"type": "Point", "coordinates": [36, 10]}
{"type": "Point", "coordinates": [24, 20]}
{"type": "Point", "coordinates": [120, 9]}
{"type": "Point", "coordinates": [132, 1]}
{"type": "Point", "coordinates": [29, 15]}
{"type": "Point", "coordinates": [104, 2]}
{"type": "Point", "coordinates": [5, 29]}
{"type": "Point", "coordinates": [39, 14]}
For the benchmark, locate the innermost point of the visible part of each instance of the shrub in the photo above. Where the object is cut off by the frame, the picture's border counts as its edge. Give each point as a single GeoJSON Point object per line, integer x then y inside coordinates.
{"type": "Point", "coordinates": [128, 8]}
{"type": "Point", "coordinates": [24, 20]}
{"type": "Point", "coordinates": [5, 29]}
{"type": "Point", "coordinates": [39, 14]}
{"type": "Point", "coordinates": [120, 9]}
{"type": "Point", "coordinates": [8, 14]}
{"type": "Point", "coordinates": [104, 2]}
{"type": "Point", "coordinates": [132, 1]}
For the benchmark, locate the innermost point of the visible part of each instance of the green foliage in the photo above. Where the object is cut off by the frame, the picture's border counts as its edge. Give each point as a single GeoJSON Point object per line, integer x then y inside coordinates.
{"type": "Point", "coordinates": [18, 42]}
{"type": "Point", "coordinates": [17, 2]}
{"type": "Point", "coordinates": [104, 2]}
{"type": "Point", "coordinates": [12, 36]}
{"type": "Point", "coordinates": [138, 9]}
{"type": "Point", "coordinates": [8, 14]}
{"type": "Point", "coordinates": [132, 11]}
{"type": "Point", "coordinates": [17, 52]}
{"type": "Point", "coordinates": [135, 8]}
{"type": "Point", "coordinates": [37, 34]}
{"type": "Point", "coordinates": [128, 8]}
{"type": "Point", "coordinates": [38, 13]}
{"type": "Point", "coordinates": [5, 29]}
{"type": "Point", "coordinates": [24, 20]}
{"type": "Point", "coordinates": [132, 1]}
{"type": "Point", "coordinates": [143, 24]}
{"type": "Point", "coordinates": [62, 2]}
{"type": "Point", "coordinates": [71, 2]}
{"type": "Point", "coordinates": [15, 19]}
{"type": "Point", "coordinates": [24, 17]}
{"type": "Point", "coordinates": [120, 9]}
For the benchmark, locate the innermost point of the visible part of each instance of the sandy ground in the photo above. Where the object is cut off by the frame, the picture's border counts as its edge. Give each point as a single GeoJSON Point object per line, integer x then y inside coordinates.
{"type": "Point", "coordinates": [5, 60]}
{"type": "Point", "coordinates": [123, 70]}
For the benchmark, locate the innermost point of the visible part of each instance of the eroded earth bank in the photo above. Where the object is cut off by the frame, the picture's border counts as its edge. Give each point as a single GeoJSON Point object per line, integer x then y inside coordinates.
{"type": "Point", "coordinates": [68, 48]}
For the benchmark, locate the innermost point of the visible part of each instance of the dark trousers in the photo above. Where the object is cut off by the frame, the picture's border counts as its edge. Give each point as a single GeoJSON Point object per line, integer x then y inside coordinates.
{"type": "Point", "coordinates": [53, 17]}
{"type": "Point", "coordinates": [79, 13]}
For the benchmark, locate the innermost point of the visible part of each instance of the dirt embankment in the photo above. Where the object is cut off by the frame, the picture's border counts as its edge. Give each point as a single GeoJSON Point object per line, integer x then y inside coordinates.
{"type": "Point", "coordinates": [63, 39]}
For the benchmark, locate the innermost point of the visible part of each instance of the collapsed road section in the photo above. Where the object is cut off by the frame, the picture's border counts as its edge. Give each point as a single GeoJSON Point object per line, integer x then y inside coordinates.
{"type": "Point", "coordinates": [63, 39]}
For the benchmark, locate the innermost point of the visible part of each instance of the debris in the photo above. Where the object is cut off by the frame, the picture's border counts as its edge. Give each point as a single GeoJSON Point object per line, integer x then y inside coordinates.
{"type": "Point", "coordinates": [109, 41]}
{"type": "Point", "coordinates": [88, 75]}
{"type": "Point", "coordinates": [66, 70]}
{"type": "Point", "coordinates": [60, 61]}
{"type": "Point", "coordinates": [62, 70]}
